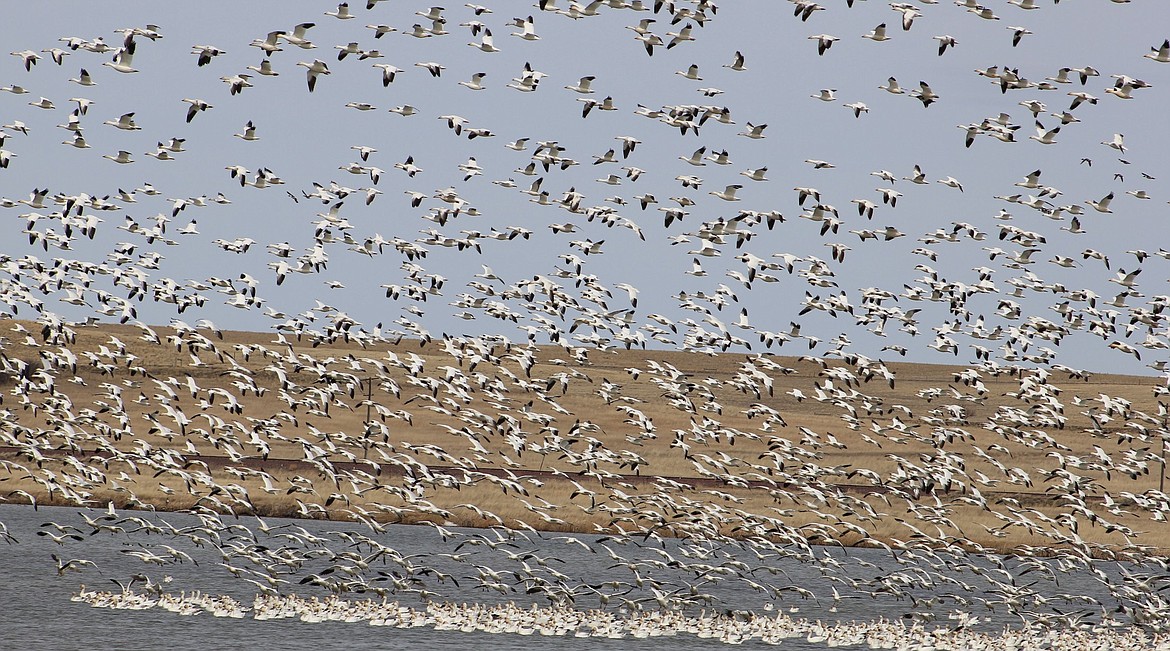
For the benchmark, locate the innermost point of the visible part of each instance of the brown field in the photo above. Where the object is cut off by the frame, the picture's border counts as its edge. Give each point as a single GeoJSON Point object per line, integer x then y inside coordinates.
{"type": "Point", "coordinates": [653, 442]}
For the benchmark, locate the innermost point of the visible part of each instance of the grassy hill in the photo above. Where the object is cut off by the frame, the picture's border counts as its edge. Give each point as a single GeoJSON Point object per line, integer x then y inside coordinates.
{"type": "Point", "coordinates": [473, 432]}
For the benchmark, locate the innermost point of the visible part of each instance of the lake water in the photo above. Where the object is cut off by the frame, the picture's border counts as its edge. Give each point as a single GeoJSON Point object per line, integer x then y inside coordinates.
{"type": "Point", "coordinates": [183, 555]}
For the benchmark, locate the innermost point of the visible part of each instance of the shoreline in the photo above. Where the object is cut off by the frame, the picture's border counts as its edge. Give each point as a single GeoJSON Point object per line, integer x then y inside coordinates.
{"type": "Point", "coordinates": [288, 506]}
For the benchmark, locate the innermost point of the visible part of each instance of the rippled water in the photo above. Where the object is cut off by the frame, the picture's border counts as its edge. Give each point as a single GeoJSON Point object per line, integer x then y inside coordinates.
{"type": "Point", "coordinates": [40, 612]}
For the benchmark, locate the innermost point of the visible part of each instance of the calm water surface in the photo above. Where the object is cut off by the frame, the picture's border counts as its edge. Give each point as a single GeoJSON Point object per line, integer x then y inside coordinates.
{"type": "Point", "coordinates": [41, 615]}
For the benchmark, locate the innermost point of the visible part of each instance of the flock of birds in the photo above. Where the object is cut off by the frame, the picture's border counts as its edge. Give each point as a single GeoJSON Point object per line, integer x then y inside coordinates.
{"type": "Point", "coordinates": [1006, 321]}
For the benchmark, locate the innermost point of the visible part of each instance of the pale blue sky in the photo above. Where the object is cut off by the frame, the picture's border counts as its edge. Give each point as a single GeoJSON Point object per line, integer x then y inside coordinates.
{"type": "Point", "coordinates": [306, 138]}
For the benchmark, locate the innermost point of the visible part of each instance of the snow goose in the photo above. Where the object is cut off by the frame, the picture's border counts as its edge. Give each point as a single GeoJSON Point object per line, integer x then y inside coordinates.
{"type": "Point", "coordinates": [681, 36]}
{"type": "Point", "coordinates": [757, 174]}
{"type": "Point", "coordinates": [719, 157]}
{"type": "Point", "coordinates": [925, 94]}
{"type": "Point", "coordinates": [126, 122]}
{"type": "Point", "coordinates": [583, 86]}
{"type": "Point", "coordinates": [951, 182]}
{"type": "Point", "coordinates": [58, 55]}
{"type": "Point", "coordinates": [1044, 136]}
{"type": "Point", "coordinates": [1117, 142]}
{"type": "Point", "coordinates": [650, 40]}
{"type": "Point", "coordinates": [249, 133]}
{"type": "Point", "coordinates": [696, 158]}
{"type": "Point", "coordinates": [269, 44]}
{"type": "Point", "coordinates": [945, 41]}
{"type": "Point", "coordinates": [916, 176]}
{"type": "Point", "coordinates": [160, 154]}
{"type": "Point", "coordinates": [889, 196]}
{"type": "Point", "coordinates": [1121, 91]}
{"type": "Point", "coordinates": [1079, 98]}
{"type": "Point", "coordinates": [418, 31]}
{"type": "Point", "coordinates": [476, 81]}
{"type": "Point", "coordinates": [1102, 205]}
{"type": "Point", "coordinates": [388, 72]}
{"type": "Point", "coordinates": [857, 107]}
{"type": "Point", "coordinates": [754, 131]}
{"type": "Point", "coordinates": [824, 42]}
{"type": "Point", "coordinates": [342, 12]}
{"type": "Point", "coordinates": [265, 68]}
{"type": "Point", "coordinates": [691, 73]}
{"type": "Point", "coordinates": [122, 62]}
{"type": "Point", "coordinates": [312, 71]}
{"type": "Point", "coordinates": [345, 50]}
{"type": "Point", "coordinates": [28, 57]}
{"type": "Point", "coordinates": [1160, 54]}
{"type": "Point", "coordinates": [486, 43]}
{"type": "Point", "coordinates": [891, 86]}
{"type": "Point", "coordinates": [197, 105]}
{"type": "Point", "coordinates": [83, 79]}
{"type": "Point", "coordinates": [78, 142]}
{"type": "Point", "coordinates": [434, 13]}
{"type": "Point", "coordinates": [628, 144]}
{"type": "Point", "coordinates": [1018, 33]}
{"type": "Point", "coordinates": [206, 53]}
{"type": "Point", "coordinates": [237, 83]}
{"type": "Point", "coordinates": [1085, 73]}
{"type": "Point", "coordinates": [523, 84]}
{"type": "Point", "coordinates": [122, 157]}
{"type": "Point", "coordinates": [983, 12]}
{"type": "Point", "coordinates": [381, 30]}
{"type": "Point", "coordinates": [878, 34]}
{"type": "Point", "coordinates": [527, 30]}
{"type": "Point", "coordinates": [737, 63]}
{"type": "Point", "coordinates": [728, 193]}
{"type": "Point", "coordinates": [909, 13]}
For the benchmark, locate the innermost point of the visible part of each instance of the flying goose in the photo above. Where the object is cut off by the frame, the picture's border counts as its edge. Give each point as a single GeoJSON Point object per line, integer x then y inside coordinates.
{"type": "Point", "coordinates": [696, 158]}
{"type": "Point", "coordinates": [249, 133]}
{"type": "Point", "coordinates": [122, 156]}
{"type": "Point", "coordinates": [342, 12]}
{"type": "Point", "coordinates": [916, 176]}
{"type": "Point", "coordinates": [824, 42]}
{"type": "Point", "coordinates": [892, 86]}
{"type": "Point", "coordinates": [122, 61]}
{"type": "Point", "coordinates": [388, 73]}
{"type": "Point", "coordinates": [1160, 54]}
{"type": "Point", "coordinates": [857, 107]}
{"type": "Point", "coordinates": [1044, 136]}
{"type": "Point", "coordinates": [197, 105]}
{"type": "Point", "coordinates": [313, 70]}
{"type": "Point", "coordinates": [583, 86]}
{"type": "Point", "coordinates": [1102, 205]}
{"type": "Point", "coordinates": [737, 63]}
{"type": "Point", "coordinates": [206, 53]}
{"type": "Point", "coordinates": [945, 41]}
{"type": "Point", "coordinates": [878, 34]}
{"type": "Point", "coordinates": [486, 43]}
{"type": "Point", "coordinates": [527, 30]}
{"type": "Point", "coordinates": [728, 193]}
{"type": "Point", "coordinates": [754, 131]}
{"type": "Point", "coordinates": [475, 82]}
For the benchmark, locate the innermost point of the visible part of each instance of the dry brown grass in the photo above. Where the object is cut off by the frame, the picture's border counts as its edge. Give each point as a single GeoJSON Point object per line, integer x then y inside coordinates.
{"type": "Point", "coordinates": [736, 484]}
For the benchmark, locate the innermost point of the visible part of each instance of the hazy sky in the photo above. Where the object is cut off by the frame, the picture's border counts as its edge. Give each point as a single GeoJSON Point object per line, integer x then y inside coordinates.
{"type": "Point", "coordinates": [308, 137]}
